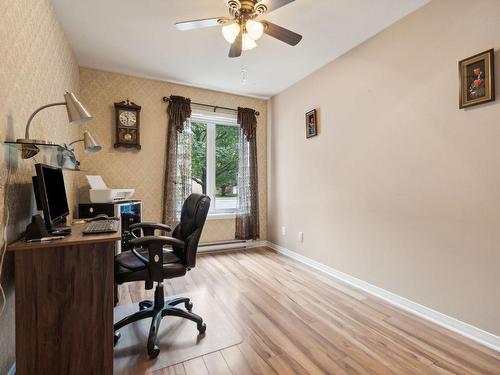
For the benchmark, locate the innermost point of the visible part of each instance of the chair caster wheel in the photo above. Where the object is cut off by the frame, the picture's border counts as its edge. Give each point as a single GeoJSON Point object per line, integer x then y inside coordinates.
{"type": "Point", "coordinates": [202, 328]}
{"type": "Point", "coordinates": [116, 337]}
{"type": "Point", "coordinates": [188, 306]}
{"type": "Point", "coordinates": [153, 353]}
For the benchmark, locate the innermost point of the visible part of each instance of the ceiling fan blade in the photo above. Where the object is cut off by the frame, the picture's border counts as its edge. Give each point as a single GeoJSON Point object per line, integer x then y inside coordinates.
{"type": "Point", "coordinates": [237, 46]}
{"type": "Point", "coordinates": [271, 5]}
{"type": "Point", "coordinates": [199, 24]}
{"type": "Point", "coordinates": [280, 33]}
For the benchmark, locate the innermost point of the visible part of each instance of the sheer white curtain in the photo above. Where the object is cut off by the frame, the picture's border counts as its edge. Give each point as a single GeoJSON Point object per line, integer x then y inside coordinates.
{"type": "Point", "coordinates": [247, 216]}
{"type": "Point", "coordinates": [177, 176]}
{"type": "Point", "coordinates": [244, 192]}
{"type": "Point", "coordinates": [183, 181]}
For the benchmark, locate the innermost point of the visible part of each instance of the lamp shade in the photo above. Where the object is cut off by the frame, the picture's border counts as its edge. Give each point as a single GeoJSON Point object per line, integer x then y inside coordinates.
{"type": "Point", "coordinates": [230, 32]}
{"type": "Point", "coordinates": [77, 114]}
{"type": "Point", "coordinates": [90, 144]}
{"type": "Point", "coordinates": [254, 29]}
{"type": "Point", "coordinates": [248, 42]}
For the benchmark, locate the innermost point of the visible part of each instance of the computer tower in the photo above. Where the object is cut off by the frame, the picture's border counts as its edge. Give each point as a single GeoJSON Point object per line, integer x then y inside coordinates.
{"type": "Point", "coordinates": [130, 213]}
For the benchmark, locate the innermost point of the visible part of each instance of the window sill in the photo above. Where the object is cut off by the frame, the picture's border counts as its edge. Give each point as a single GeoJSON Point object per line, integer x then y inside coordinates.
{"type": "Point", "coordinates": [221, 216]}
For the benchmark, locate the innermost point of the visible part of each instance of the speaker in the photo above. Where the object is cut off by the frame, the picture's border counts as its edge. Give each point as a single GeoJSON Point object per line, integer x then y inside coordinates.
{"type": "Point", "coordinates": [36, 229]}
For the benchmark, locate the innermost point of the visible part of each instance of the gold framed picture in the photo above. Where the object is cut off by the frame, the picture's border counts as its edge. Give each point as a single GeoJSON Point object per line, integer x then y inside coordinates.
{"type": "Point", "coordinates": [477, 79]}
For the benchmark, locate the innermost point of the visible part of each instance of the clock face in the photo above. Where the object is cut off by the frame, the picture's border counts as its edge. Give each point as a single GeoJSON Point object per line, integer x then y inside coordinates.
{"type": "Point", "coordinates": [128, 118]}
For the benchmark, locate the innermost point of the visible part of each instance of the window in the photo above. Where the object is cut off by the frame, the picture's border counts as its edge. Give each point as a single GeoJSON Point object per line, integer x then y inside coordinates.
{"type": "Point", "coordinates": [214, 161]}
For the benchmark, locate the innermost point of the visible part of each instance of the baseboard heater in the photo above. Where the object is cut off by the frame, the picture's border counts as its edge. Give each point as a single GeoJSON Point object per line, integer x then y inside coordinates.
{"type": "Point", "coordinates": [224, 245]}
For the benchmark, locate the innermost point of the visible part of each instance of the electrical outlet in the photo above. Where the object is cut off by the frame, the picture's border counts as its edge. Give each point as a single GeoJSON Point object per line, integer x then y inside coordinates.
{"type": "Point", "coordinates": [283, 231]}
{"type": "Point", "coordinates": [301, 237]}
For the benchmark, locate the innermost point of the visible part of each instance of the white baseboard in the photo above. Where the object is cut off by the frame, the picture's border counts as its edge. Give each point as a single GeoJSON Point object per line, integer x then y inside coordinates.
{"type": "Point", "coordinates": [230, 246]}
{"type": "Point", "coordinates": [254, 244]}
{"type": "Point", "coordinates": [485, 338]}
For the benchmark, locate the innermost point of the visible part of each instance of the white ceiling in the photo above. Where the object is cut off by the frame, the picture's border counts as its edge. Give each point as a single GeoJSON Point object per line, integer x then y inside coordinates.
{"type": "Point", "coordinates": [138, 37]}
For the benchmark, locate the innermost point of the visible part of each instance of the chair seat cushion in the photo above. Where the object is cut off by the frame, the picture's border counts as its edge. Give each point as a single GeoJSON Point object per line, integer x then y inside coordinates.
{"type": "Point", "coordinates": [127, 259]}
{"type": "Point", "coordinates": [129, 268]}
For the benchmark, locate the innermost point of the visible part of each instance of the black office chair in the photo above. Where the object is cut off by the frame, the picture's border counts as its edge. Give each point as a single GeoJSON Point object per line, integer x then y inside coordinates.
{"type": "Point", "coordinates": [136, 265]}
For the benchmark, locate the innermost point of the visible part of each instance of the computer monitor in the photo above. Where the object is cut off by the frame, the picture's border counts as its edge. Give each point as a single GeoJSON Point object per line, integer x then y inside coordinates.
{"type": "Point", "coordinates": [36, 190]}
{"type": "Point", "coordinates": [51, 193]}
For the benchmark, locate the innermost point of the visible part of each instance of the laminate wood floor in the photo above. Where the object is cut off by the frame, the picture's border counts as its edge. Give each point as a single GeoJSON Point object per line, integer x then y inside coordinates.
{"type": "Point", "coordinates": [294, 320]}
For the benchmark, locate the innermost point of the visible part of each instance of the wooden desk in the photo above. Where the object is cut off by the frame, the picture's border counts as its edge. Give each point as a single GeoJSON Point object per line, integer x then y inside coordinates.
{"type": "Point", "coordinates": [64, 304]}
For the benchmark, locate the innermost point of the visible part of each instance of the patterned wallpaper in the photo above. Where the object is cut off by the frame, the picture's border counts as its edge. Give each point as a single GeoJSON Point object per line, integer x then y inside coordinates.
{"type": "Point", "coordinates": [143, 170]}
{"type": "Point", "coordinates": [37, 68]}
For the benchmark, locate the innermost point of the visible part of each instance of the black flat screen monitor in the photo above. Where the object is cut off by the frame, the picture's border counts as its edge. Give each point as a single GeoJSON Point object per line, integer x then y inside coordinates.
{"type": "Point", "coordinates": [51, 193]}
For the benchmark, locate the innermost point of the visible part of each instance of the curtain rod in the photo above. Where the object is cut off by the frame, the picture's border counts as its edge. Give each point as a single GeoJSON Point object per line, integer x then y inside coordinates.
{"type": "Point", "coordinates": [166, 99]}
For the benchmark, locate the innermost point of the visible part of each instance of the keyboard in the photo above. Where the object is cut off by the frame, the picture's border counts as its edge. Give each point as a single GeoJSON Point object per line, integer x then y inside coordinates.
{"type": "Point", "coordinates": [101, 226]}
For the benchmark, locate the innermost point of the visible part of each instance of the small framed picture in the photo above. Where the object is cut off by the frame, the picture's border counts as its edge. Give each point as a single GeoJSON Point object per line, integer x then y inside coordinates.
{"type": "Point", "coordinates": [477, 79]}
{"type": "Point", "coordinates": [311, 124]}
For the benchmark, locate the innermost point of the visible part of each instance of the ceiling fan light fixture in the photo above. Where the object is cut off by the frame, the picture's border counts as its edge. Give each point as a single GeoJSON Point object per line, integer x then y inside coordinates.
{"type": "Point", "coordinates": [248, 42]}
{"type": "Point", "coordinates": [230, 32]}
{"type": "Point", "coordinates": [255, 29]}
{"type": "Point", "coordinates": [242, 29]}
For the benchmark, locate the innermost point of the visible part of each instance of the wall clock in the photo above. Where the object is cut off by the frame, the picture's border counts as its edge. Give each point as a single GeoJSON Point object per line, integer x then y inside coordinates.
{"type": "Point", "coordinates": [127, 122]}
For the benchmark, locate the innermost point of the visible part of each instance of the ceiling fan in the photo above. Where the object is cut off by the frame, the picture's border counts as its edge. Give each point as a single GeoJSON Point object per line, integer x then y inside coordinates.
{"type": "Point", "coordinates": [242, 29]}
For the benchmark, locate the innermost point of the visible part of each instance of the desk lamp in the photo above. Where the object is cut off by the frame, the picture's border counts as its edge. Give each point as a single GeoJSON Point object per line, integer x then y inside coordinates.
{"type": "Point", "coordinates": [77, 114]}
{"type": "Point", "coordinates": [90, 145]}
{"type": "Point", "coordinates": [67, 158]}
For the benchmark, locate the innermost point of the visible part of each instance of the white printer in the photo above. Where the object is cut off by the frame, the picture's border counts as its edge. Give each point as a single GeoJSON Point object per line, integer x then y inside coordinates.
{"type": "Point", "coordinates": [100, 193]}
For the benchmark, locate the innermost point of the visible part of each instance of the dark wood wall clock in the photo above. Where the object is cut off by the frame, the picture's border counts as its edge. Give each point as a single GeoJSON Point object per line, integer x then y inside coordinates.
{"type": "Point", "coordinates": [127, 118]}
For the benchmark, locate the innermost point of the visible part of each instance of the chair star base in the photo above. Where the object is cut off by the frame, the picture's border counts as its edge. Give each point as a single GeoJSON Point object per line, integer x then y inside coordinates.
{"type": "Point", "coordinates": [156, 310]}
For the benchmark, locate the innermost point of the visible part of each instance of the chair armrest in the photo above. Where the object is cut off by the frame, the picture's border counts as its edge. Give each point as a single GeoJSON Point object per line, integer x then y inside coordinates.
{"type": "Point", "coordinates": [159, 226]}
{"type": "Point", "coordinates": [154, 245]}
{"type": "Point", "coordinates": [156, 240]}
{"type": "Point", "coordinates": [149, 228]}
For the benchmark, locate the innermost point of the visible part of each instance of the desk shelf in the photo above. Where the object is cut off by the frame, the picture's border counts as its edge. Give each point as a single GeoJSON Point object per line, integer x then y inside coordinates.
{"type": "Point", "coordinates": [58, 154]}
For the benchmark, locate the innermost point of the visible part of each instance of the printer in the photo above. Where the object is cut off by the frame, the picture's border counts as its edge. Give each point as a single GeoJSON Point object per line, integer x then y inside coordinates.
{"type": "Point", "coordinates": [100, 193]}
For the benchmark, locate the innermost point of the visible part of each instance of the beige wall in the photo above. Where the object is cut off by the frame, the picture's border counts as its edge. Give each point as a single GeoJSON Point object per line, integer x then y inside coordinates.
{"type": "Point", "coordinates": [143, 170]}
{"type": "Point", "coordinates": [37, 68]}
{"type": "Point", "coordinates": [401, 188]}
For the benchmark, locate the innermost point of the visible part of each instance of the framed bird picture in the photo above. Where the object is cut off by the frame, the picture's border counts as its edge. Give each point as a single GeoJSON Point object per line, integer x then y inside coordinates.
{"type": "Point", "coordinates": [477, 79]}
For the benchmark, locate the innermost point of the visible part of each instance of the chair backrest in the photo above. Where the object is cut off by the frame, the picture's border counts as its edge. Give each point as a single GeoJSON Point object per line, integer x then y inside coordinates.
{"type": "Point", "coordinates": [193, 216]}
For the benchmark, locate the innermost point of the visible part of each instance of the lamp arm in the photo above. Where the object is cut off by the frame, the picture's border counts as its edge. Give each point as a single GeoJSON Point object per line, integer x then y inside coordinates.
{"type": "Point", "coordinates": [27, 132]}
{"type": "Point", "coordinates": [78, 140]}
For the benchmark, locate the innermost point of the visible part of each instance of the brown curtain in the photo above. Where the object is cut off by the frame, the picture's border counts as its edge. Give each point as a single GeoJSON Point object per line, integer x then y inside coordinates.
{"type": "Point", "coordinates": [178, 111]}
{"type": "Point", "coordinates": [247, 216]}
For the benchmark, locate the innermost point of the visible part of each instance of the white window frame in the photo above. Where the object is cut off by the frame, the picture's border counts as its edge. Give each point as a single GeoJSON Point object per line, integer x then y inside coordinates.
{"type": "Point", "coordinates": [211, 120]}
